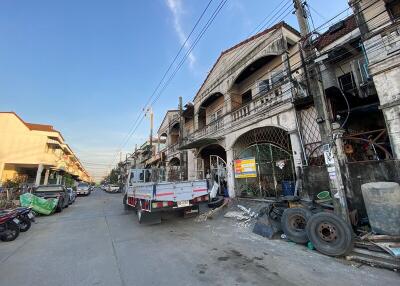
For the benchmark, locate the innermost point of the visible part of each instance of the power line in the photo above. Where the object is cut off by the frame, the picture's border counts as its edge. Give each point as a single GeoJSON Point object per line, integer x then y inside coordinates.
{"type": "Point", "coordinates": [207, 25]}
{"type": "Point", "coordinates": [169, 68]}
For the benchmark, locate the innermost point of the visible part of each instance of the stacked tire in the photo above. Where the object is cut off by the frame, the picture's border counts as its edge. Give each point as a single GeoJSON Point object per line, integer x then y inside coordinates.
{"type": "Point", "coordinates": [328, 233]}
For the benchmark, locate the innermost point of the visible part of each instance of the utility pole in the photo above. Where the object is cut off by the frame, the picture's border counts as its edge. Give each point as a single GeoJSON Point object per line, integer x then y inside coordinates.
{"type": "Point", "coordinates": [151, 131]}
{"type": "Point", "coordinates": [181, 158]}
{"type": "Point", "coordinates": [134, 157]}
{"type": "Point", "coordinates": [331, 147]}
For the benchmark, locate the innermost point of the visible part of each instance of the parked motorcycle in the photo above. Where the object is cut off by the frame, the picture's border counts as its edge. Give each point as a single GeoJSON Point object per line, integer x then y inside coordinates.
{"type": "Point", "coordinates": [9, 225]}
{"type": "Point", "coordinates": [25, 216]}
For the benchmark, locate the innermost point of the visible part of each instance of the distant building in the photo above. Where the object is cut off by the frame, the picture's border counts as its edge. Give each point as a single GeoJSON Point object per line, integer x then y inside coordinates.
{"type": "Point", "coordinates": [35, 153]}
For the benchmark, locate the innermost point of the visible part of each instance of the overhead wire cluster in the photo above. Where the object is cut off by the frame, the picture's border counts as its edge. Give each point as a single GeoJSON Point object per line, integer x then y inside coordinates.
{"type": "Point", "coordinates": [280, 12]}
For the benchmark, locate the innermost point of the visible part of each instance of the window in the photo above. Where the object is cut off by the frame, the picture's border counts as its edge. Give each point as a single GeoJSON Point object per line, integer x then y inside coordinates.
{"type": "Point", "coordinates": [216, 115]}
{"type": "Point", "coordinates": [346, 82]}
{"type": "Point", "coordinates": [246, 97]}
{"type": "Point", "coordinates": [219, 114]}
{"type": "Point", "coordinates": [263, 86]}
{"type": "Point", "coordinates": [393, 7]}
{"type": "Point", "coordinates": [277, 77]}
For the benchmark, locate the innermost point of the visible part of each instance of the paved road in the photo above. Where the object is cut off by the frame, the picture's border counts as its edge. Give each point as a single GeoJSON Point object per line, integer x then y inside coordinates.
{"type": "Point", "coordinates": [96, 242]}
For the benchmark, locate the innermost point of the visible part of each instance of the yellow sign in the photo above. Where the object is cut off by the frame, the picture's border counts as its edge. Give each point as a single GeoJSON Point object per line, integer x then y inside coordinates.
{"type": "Point", "coordinates": [245, 168]}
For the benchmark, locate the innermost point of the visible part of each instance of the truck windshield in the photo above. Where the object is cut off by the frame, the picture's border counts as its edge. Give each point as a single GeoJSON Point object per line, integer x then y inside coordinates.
{"type": "Point", "coordinates": [136, 176]}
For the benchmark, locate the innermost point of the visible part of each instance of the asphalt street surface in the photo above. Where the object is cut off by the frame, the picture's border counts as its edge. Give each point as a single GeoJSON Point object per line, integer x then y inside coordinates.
{"type": "Point", "coordinates": [96, 242]}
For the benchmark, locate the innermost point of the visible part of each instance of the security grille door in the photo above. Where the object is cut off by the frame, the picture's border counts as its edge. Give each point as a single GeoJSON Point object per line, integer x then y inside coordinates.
{"type": "Point", "coordinates": [217, 169]}
{"type": "Point", "coordinates": [200, 169]}
{"type": "Point", "coordinates": [271, 149]}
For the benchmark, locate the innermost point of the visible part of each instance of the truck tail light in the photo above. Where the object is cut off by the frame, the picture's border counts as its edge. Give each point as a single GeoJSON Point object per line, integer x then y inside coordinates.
{"type": "Point", "coordinates": [164, 204]}
{"type": "Point", "coordinates": [200, 199]}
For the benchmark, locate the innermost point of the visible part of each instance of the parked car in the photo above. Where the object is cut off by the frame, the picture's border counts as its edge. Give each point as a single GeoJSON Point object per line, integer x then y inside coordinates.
{"type": "Point", "coordinates": [53, 191]}
{"type": "Point", "coordinates": [72, 195]}
{"type": "Point", "coordinates": [113, 189]}
{"type": "Point", "coordinates": [83, 189]}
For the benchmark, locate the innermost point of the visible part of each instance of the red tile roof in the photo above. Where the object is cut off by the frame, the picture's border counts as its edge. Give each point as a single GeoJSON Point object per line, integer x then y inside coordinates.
{"type": "Point", "coordinates": [39, 127]}
{"type": "Point", "coordinates": [349, 25]}
{"type": "Point", "coordinates": [34, 126]}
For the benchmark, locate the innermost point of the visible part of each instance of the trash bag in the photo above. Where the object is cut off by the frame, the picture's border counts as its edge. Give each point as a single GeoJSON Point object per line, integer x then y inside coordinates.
{"type": "Point", "coordinates": [38, 204]}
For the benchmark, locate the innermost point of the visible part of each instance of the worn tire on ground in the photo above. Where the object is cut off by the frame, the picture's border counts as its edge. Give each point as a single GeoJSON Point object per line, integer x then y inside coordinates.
{"type": "Point", "coordinates": [216, 202]}
{"type": "Point", "coordinates": [293, 223]}
{"type": "Point", "coordinates": [330, 234]}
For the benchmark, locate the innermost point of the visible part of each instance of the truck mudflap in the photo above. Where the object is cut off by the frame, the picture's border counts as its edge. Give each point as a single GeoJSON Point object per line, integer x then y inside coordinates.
{"type": "Point", "coordinates": [149, 217]}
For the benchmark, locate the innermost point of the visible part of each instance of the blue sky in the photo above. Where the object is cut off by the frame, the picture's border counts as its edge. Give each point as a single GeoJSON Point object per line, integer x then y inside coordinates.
{"type": "Point", "coordinates": [88, 66]}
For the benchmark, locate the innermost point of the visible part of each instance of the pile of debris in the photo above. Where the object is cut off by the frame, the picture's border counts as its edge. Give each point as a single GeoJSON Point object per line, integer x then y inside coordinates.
{"type": "Point", "coordinates": [315, 224]}
{"type": "Point", "coordinates": [377, 250]}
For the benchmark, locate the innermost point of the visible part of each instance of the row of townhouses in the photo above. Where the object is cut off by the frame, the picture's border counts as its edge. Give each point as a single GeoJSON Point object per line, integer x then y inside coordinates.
{"type": "Point", "coordinates": [35, 154]}
{"type": "Point", "coordinates": [255, 107]}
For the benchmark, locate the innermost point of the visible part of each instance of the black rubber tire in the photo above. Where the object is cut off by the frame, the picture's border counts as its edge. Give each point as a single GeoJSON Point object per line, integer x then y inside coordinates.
{"type": "Point", "coordinates": [14, 231]}
{"type": "Point", "coordinates": [126, 206]}
{"type": "Point", "coordinates": [293, 223]}
{"type": "Point", "coordinates": [216, 202]}
{"type": "Point", "coordinates": [25, 224]}
{"type": "Point", "coordinates": [59, 207]}
{"type": "Point", "coordinates": [330, 234]}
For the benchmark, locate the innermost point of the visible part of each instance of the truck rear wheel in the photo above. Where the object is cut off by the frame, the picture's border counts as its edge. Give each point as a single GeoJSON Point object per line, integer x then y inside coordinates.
{"type": "Point", "coordinates": [125, 202]}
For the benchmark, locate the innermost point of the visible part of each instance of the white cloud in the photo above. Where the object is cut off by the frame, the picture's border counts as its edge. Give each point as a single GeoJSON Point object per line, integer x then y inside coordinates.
{"type": "Point", "coordinates": [175, 6]}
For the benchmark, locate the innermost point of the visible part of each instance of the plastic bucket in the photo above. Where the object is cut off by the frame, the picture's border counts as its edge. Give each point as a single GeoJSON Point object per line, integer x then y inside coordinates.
{"type": "Point", "coordinates": [288, 188]}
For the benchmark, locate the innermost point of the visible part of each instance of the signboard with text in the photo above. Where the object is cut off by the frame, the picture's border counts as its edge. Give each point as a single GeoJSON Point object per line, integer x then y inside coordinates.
{"type": "Point", "coordinates": [245, 168]}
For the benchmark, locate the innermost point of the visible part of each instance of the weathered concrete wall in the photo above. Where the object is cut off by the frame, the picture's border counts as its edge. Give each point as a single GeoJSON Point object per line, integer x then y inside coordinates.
{"type": "Point", "coordinates": [354, 175]}
{"type": "Point", "coordinates": [367, 172]}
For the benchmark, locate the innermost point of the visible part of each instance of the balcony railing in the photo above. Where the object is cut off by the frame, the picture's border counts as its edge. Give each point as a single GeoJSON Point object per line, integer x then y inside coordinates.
{"type": "Point", "coordinates": [384, 44]}
{"type": "Point", "coordinates": [259, 105]}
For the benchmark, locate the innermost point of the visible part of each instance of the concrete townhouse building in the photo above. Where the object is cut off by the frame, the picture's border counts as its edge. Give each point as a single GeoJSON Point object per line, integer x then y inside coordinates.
{"type": "Point", "coordinates": [35, 153]}
{"type": "Point", "coordinates": [244, 110]}
{"type": "Point", "coordinates": [379, 23]}
{"type": "Point", "coordinates": [353, 107]}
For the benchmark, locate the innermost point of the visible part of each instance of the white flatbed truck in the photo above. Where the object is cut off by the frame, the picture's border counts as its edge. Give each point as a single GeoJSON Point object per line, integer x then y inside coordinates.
{"type": "Point", "coordinates": [150, 198]}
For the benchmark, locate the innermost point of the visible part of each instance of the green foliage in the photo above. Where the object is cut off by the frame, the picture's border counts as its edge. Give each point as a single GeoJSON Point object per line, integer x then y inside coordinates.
{"type": "Point", "coordinates": [112, 178]}
{"type": "Point", "coordinates": [69, 181]}
{"type": "Point", "coordinates": [12, 184]}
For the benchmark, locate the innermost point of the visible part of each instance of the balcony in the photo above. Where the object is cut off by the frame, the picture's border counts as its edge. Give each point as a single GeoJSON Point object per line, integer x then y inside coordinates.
{"type": "Point", "coordinates": [246, 114]}
{"type": "Point", "coordinates": [383, 45]}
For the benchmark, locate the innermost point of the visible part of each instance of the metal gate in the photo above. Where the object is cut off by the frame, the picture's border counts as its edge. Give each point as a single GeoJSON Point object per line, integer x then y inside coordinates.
{"type": "Point", "coordinates": [275, 171]}
{"type": "Point", "coordinates": [270, 147]}
{"type": "Point", "coordinates": [217, 171]}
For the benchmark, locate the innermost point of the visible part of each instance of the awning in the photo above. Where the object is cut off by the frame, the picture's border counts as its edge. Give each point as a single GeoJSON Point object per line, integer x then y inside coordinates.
{"type": "Point", "coordinates": [199, 143]}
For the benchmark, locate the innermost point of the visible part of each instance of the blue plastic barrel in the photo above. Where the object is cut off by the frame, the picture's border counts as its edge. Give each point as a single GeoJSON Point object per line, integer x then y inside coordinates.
{"type": "Point", "coordinates": [288, 188]}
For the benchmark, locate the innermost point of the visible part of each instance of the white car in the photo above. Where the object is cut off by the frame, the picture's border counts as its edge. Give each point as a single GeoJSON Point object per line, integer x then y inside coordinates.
{"type": "Point", "coordinates": [113, 189]}
{"type": "Point", "coordinates": [83, 189]}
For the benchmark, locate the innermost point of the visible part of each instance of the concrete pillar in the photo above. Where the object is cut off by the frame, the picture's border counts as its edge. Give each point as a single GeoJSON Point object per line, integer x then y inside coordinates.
{"type": "Point", "coordinates": [230, 173]}
{"type": "Point", "coordinates": [297, 151]}
{"type": "Point", "coordinates": [58, 179]}
{"type": "Point", "coordinates": [2, 165]}
{"type": "Point", "coordinates": [191, 165]}
{"type": "Point", "coordinates": [392, 118]}
{"type": "Point", "coordinates": [39, 174]}
{"type": "Point", "coordinates": [46, 177]}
